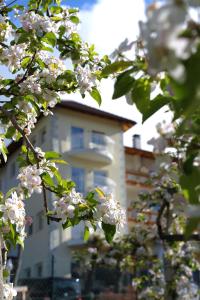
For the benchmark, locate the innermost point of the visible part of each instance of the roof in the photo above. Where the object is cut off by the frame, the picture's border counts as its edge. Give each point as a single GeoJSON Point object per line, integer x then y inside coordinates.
{"type": "Point", "coordinates": [85, 109]}
{"type": "Point", "coordinates": [75, 106]}
{"type": "Point", "coordinates": [140, 152]}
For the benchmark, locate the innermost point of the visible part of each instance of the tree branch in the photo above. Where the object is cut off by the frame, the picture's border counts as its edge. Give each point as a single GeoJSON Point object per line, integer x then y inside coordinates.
{"type": "Point", "coordinates": [171, 237]}
{"type": "Point", "coordinates": [31, 147]}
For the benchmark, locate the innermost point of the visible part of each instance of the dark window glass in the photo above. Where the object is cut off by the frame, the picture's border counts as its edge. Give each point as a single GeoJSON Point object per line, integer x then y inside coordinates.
{"type": "Point", "coordinates": [77, 138]}
{"type": "Point", "coordinates": [98, 138]}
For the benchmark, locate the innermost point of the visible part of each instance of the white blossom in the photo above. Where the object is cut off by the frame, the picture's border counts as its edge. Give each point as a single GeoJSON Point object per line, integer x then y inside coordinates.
{"type": "Point", "coordinates": [86, 79]}
{"type": "Point", "coordinates": [33, 21]}
{"type": "Point", "coordinates": [30, 179]}
{"type": "Point", "coordinates": [65, 206]}
{"type": "Point", "coordinates": [110, 211]}
{"type": "Point", "coordinates": [14, 55]}
{"type": "Point", "coordinates": [161, 36]}
{"type": "Point", "coordinates": [14, 212]}
{"type": "Point", "coordinates": [8, 291]}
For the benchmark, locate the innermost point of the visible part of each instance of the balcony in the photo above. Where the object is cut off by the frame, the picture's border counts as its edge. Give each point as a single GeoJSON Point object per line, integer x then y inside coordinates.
{"type": "Point", "coordinates": [95, 147]}
{"type": "Point", "coordinates": [137, 179]}
{"type": "Point", "coordinates": [106, 184]}
{"type": "Point", "coordinates": [77, 233]}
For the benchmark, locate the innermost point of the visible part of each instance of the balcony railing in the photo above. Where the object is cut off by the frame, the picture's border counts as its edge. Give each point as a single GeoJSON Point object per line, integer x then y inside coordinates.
{"type": "Point", "coordinates": [98, 147]}
{"type": "Point", "coordinates": [103, 182]}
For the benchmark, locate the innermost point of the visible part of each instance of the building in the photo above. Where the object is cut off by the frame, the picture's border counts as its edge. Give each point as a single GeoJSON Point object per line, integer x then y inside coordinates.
{"type": "Point", "coordinates": [91, 141]}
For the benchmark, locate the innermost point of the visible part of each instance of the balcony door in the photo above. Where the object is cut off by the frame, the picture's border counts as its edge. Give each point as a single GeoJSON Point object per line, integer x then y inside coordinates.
{"type": "Point", "coordinates": [98, 138]}
{"type": "Point", "coordinates": [78, 176]}
{"type": "Point", "coordinates": [77, 138]}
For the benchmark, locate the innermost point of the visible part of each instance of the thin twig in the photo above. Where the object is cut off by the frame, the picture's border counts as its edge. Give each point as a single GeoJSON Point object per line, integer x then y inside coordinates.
{"type": "Point", "coordinates": [5, 6]}
{"type": "Point", "coordinates": [159, 218]}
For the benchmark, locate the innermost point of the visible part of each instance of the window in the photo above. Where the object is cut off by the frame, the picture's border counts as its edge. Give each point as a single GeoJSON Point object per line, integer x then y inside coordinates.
{"type": "Point", "coordinates": [100, 178]}
{"type": "Point", "coordinates": [77, 138]}
{"type": "Point", "coordinates": [12, 169]}
{"type": "Point", "coordinates": [98, 138]}
{"type": "Point", "coordinates": [43, 134]}
{"type": "Point", "coordinates": [40, 221]}
{"type": "Point", "coordinates": [27, 273]}
{"type": "Point", "coordinates": [78, 176]}
{"type": "Point", "coordinates": [38, 269]}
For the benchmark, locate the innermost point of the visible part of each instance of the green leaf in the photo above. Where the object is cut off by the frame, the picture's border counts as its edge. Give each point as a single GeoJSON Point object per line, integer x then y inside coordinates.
{"type": "Point", "coordinates": [141, 94]}
{"type": "Point", "coordinates": [191, 226]}
{"type": "Point", "coordinates": [52, 155]}
{"type": "Point", "coordinates": [4, 151]}
{"type": "Point", "coordinates": [59, 161]}
{"type": "Point", "coordinates": [56, 9]}
{"type": "Point", "coordinates": [116, 67]}
{"type": "Point", "coordinates": [123, 85]}
{"type": "Point", "coordinates": [25, 61]}
{"type": "Point", "coordinates": [67, 224]}
{"type": "Point", "coordinates": [75, 19]}
{"type": "Point", "coordinates": [109, 231]}
{"type": "Point", "coordinates": [50, 38]}
{"type": "Point", "coordinates": [48, 180]}
{"type": "Point", "coordinates": [190, 184]}
{"type": "Point", "coordinates": [86, 234]}
{"type": "Point", "coordinates": [154, 105]}
{"type": "Point", "coordinates": [96, 95]}
{"type": "Point", "coordinates": [10, 132]}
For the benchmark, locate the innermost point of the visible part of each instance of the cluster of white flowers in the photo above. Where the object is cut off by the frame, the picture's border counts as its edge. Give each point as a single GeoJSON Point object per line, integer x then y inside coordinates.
{"type": "Point", "coordinates": [55, 67]}
{"type": "Point", "coordinates": [14, 212]}
{"type": "Point", "coordinates": [110, 212]}
{"type": "Point", "coordinates": [34, 21]}
{"type": "Point", "coordinates": [86, 79]}
{"type": "Point", "coordinates": [30, 179]}
{"type": "Point", "coordinates": [8, 291]}
{"type": "Point", "coordinates": [186, 289]}
{"type": "Point", "coordinates": [31, 84]}
{"type": "Point", "coordinates": [161, 35]}
{"type": "Point", "coordinates": [5, 28]}
{"type": "Point", "coordinates": [13, 55]}
{"type": "Point", "coordinates": [65, 207]}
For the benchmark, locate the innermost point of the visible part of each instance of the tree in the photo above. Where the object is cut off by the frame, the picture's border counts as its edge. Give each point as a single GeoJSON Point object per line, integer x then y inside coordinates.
{"type": "Point", "coordinates": [160, 261]}
{"type": "Point", "coordinates": [165, 71]}
{"type": "Point", "coordinates": [36, 42]}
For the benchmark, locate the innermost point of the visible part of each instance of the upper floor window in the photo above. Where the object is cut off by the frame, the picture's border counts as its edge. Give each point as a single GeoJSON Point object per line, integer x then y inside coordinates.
{"type": "Point", "coordinates": [43, 134]}
{"type": "Point", "coordinates": [38, 269]}
{"type": "Point", "coordinates": [13, 169]}
{"type": "Point", "coordinates": [40, 221]}
{"type": "Point", "coordinates": [78, 176]}
{"type": "Point", "coordinates": [77, 138]}
{"type": "Point", "coordinates": [98, 138]}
